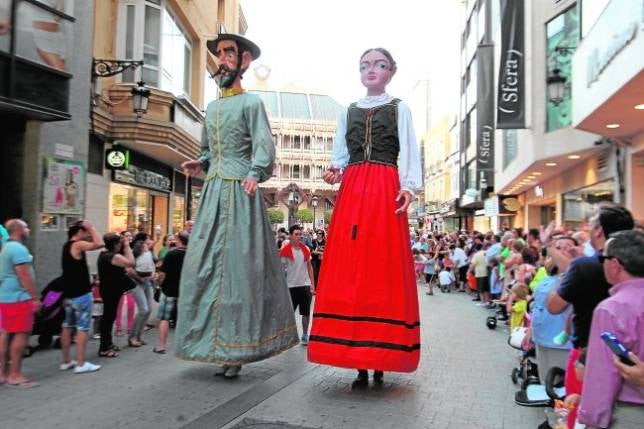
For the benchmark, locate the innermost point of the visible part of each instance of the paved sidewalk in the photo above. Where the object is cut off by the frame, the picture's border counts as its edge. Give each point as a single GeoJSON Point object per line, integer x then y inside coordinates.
{"type": "Point", "coordinates": [463, 382]}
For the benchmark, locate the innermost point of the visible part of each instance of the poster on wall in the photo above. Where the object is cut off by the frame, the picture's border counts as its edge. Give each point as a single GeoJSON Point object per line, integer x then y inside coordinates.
{"type": "Point", "coordinates": [49, 222]}
{"type": "Point", "coordinates": [64, 186]}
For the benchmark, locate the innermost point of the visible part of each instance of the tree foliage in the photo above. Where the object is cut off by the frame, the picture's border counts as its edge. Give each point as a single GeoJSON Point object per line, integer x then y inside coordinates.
{"type": "Point", "coordinates": [327, 216]}
{"type": "Point", "coordinates": [275, 216]}
{"type": "Point", "coordinates": [305, 215]}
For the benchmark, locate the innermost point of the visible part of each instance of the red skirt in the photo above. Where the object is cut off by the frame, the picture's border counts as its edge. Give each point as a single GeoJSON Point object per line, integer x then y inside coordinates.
{"type": "Point", "coordinates": [366, 307]}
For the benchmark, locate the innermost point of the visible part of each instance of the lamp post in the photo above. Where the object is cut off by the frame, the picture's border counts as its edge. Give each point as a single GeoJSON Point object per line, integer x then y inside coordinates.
{"type": "Point", "coordinates": [314, 203]}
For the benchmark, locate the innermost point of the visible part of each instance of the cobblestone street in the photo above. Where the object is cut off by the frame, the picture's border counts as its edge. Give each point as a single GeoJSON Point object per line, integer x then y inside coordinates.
{"type": "Point", "coordinates": [463, 382]}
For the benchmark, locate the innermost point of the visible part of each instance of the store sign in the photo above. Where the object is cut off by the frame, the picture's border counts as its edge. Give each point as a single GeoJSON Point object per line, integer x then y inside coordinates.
{"type": "Point", "coordinates": [485, 115]}
{"type": "Point", "coordinates": [511, 88]}
{"type": "Point", "coordinates": [501, 205]}
{"type": "Point", "coordinates": [599, 60]}
{"type": "Point", "coordinates": [140, 177]}
{"type": "Point", "coordinates": [117, 159]}
{"type": "Point", "coordinates": [491, 206]}
{"type": "Point", "coordinates": [538, 191]}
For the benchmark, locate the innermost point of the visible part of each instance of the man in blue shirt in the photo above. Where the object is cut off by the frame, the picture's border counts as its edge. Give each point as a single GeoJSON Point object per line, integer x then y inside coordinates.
{"type": "Point", "coordinates": [19, 300]}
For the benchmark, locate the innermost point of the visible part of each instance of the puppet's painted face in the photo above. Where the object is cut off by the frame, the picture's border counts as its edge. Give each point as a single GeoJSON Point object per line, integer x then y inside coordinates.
{"type": "Point", "coordinates": [375, 71]}
{"type": "Point", "coordinates": [227, 60]}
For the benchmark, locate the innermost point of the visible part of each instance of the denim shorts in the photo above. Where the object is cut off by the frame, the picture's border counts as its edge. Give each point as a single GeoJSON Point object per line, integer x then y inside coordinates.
{"type": "Point", "coordinates": [167, 304]}
{"type": "Point", "coordinates": [78, 312]}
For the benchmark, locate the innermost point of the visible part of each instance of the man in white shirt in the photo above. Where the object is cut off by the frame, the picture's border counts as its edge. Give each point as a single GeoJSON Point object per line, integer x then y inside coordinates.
{"type": "Point", "coordinates": [460, 263]}
{"type": "Point", "coordinates": [296, 259]}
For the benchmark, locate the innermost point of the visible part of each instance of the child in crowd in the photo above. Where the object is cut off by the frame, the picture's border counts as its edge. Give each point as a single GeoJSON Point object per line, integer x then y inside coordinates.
{"type": "Point", "coordinates": [430, 272]}
{"type": "Point", "coordinates": [419, 263]}
{"type": "Point", "coordinates": [446, 279]}
{"type": "Point", "coordinates": [518, 304]}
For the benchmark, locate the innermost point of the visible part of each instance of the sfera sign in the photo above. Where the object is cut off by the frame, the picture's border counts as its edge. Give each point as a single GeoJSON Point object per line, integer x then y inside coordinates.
{"type": "Point", "coordinates": [511, 86]}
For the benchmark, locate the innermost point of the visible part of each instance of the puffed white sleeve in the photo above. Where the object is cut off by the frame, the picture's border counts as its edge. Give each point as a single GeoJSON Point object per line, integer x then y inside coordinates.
{"type": "Point", "coordinates": [340, 154]}
{"type": "Point", "coordinates": [409, 168]}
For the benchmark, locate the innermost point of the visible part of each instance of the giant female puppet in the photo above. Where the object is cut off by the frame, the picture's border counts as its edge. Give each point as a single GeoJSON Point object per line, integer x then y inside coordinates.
{"type": "Point", "coordinates": [366, 309]}
{"type": "Point", "coordinates": [234, 305]}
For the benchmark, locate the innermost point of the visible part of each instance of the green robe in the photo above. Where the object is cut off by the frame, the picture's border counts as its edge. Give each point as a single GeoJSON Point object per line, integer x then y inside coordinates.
{"type": "Point", "coordinates": [234, 304]}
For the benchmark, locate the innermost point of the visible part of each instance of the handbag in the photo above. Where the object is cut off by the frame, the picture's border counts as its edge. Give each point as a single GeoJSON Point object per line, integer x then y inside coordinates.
{"type": "Point", "coordinates": [516, 337]}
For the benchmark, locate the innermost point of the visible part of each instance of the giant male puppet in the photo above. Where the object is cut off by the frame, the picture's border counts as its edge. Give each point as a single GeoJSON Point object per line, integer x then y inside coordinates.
{"type": "Point", "coordinates": [234, 305]}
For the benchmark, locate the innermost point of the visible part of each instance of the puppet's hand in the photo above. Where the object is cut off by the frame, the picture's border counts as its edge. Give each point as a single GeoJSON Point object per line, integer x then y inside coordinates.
{"type": "Point", "coordinates": [404, 198]}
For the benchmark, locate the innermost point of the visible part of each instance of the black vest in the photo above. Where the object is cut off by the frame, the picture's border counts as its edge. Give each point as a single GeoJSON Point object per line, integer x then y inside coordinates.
{"type": "Point", "coordinates": [372, 134]}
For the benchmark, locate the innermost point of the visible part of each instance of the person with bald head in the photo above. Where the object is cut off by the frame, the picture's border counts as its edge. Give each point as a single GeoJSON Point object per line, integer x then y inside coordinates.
{"type": "Point", "coordinates": [19, 300]}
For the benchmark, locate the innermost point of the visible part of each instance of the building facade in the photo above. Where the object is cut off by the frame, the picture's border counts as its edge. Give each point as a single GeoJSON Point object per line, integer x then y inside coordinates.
{"type": "Point", "coordinates": [303, 126]}
{"type": "Point", "coordinates": [151, 193]}
{"type": "Point", "coordinates": [45, 67]}
{"type": "Point", "coordinates": [608, 93]}
{"type": "Point", "coordinates": [547, 163]}
{"type": "Point", "coordinates": [441, 170]}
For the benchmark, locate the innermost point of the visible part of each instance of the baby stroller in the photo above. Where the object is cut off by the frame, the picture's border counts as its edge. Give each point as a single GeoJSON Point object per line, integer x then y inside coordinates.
{"type": "Point", "coordinates": [49, 319]}
{"type": "Point", "coordinates": [527, 371]}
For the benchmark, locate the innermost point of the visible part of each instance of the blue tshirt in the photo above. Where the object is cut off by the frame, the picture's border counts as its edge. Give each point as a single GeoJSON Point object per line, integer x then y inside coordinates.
{"type": "Point", "coordinates": [546, 326]}
{"type": "Point", "coordinates": [13, 253]}
{"type": "Point", "coordinates": [429, 266]}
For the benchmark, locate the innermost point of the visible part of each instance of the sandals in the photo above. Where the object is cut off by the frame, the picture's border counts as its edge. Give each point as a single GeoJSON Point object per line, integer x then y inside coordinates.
{"type": "Point", "coordinates": [115, 348]}
{"type": "Point", "coordinates": [134, 343]}
{"type": "Point", "coordinates": [108, 353]}
{"type": "Point", "coordinates": [24, 384]}
{"type": "Point", "coordinates": [159, 351]}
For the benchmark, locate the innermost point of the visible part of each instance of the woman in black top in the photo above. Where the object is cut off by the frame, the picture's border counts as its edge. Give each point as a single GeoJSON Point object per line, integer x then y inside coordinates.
{"type": "Point", "coordinates": [316, 254]}
{"type": "Point", "coordinates": [113, 282]}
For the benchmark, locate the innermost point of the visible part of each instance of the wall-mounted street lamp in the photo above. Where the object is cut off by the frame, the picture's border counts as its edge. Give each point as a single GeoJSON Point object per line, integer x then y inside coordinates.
{"type": "Point", "coordinates": [107, 68]}
{"type": "Point", "coordinates": [557, 82]}
{"type": "Point", "coordinates": [140, 99]}
{"type": "Point", "coordinates": [556, 86]}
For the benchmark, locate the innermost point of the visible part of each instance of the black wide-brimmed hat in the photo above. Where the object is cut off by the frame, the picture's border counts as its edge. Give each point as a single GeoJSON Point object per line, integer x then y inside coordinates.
{"type": "Point", "coordinates": [254, 50]}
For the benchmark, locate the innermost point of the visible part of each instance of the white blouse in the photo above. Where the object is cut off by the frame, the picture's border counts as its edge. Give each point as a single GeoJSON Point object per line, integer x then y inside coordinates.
{"type": "Point", "coordinates": [409, 168]}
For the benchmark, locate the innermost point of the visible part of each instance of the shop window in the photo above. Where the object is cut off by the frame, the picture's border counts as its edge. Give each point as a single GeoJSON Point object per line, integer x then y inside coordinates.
{"type": "Point", "coordinates": [563, 31]}
{"type": "Point", "coordinates": [42, 36]}
{"type": "Point", "coordinates": [178, 213]}
{"type": "Point", "coordinates": [5, 19]}
{"type": "Point", "coordinates": [164, 46]}
{"type": "Point", "coordinates": [580, 205]}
